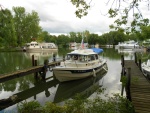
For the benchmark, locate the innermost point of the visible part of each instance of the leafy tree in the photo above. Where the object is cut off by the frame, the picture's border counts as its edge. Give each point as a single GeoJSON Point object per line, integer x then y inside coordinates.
{"type": "Point", "coordinates": [44, 36]}
{"type": "Point", "coordinates": [7, 31]}
{"type": "Point", "coordinates": [145, 32]}
{"type": "Point", "coordinates": [73, 36]}
{"type": "Point", "coordinates": [120, 10]}
{"type": "Point", "coordinates": [63, 40]}
{"type": "Point", "coordinates": [93, 39]}
{"type": "Point", "coordinates": [26, 25]}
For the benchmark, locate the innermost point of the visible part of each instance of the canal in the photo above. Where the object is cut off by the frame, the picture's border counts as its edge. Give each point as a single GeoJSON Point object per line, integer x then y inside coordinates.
{"type": "Point", "coordinates": [28, 89]}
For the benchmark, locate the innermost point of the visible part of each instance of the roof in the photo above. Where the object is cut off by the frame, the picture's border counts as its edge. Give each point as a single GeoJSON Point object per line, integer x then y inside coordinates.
{"type": "Point", "coordinates": [85, 51]}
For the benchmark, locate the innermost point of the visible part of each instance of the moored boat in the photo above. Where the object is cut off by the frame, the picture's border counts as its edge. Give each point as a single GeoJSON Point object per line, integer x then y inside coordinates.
{"type": "Point", "coordinates": [84, 87]}
{"type": "Point", "coordinates": [80, 64]}
{"type": "Point", "coordinates": [39, 47]}
{"type": "Point", "coordinates": [131, 44]}
{"type": "Point", "coordinates": [146, 68]}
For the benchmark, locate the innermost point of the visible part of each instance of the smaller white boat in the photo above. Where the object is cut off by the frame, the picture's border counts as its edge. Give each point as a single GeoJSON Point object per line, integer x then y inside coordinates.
{"type": "Point", "coordinates": [74, 45]}
{"type": "Point", "coordinates": [80, 64]}
{"type": "Point", "coordinates": [39, 47]}
{"type": "Point", "coordinates": [131, 44]}
{"type": "Point", "coordinates": [146, 68]}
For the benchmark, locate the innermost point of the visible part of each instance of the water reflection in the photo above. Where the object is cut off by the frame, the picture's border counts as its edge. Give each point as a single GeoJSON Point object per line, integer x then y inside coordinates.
{"type": "Point", "coordinates": [66, 90]}
{"type": "Point", "coordinates": [28, 89]}
{"type": "Point", "coordinates": [13, 61]}
{"type": "Point", "coordinates": [40, 54]}
{"type": "Point", "coordinates": [85, 87]}
{"type": "Point", "coordinates": [39, 86]}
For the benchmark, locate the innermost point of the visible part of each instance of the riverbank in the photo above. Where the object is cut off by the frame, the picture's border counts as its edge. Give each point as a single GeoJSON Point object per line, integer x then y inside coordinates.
{"type": "Point", "coordinates": [16, 49]}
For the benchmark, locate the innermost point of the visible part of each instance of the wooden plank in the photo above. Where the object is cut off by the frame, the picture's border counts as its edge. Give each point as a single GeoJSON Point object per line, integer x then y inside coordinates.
{"type": "Point", "coordinates": [21, 73]}
{"type": "Point", "coordinates": [139, 89]}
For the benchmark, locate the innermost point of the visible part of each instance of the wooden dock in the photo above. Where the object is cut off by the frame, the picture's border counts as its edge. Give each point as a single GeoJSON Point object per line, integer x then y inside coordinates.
{"type": "Point", "coordinates": [138, 90]}
{"type": "Point", "coordinates": [21, 73]}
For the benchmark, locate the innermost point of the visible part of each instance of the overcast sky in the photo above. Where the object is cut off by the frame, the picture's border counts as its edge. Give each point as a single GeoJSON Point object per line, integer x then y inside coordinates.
{"type": "Point", "coordinates": [58, 16]}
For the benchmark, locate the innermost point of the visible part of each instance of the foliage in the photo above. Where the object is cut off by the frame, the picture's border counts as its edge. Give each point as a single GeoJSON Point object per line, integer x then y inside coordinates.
{"type": "Point", "coordinates": [81, 6]}
{"type": "Point", "coordinates": [121, 11]}
{"type": "Point", "coordinates": [29, 107]}
{"type": "Point", "coordinates": [7, 32]}
{"type": "Point", "coordinates": [26, 25]}
{"type": "Point", "coordinates": [53, 108]}
{"type": "Point", "coordinates": [114, 104]}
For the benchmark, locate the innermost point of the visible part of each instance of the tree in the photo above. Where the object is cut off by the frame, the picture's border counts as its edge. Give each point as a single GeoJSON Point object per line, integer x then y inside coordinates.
{"type": "Point", "coordinates": [145, 33]}
{"type": "Point", "coordinates": [120, 10]}
{"type": "Point", "coordinates": [26, 25]}
{"type": "Point", "coordinates": [63, 40]}
{"type": "Point", "coordinates": [7, 31]}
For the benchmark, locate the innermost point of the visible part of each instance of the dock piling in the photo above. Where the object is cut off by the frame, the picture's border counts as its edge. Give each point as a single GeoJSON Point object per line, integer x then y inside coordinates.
{"type": "Point", "coordinates": [32, 60]}
{"type": "Point", "coordinates": [36, 73]}
{"type": "Point", "coordinates": [128, 83]}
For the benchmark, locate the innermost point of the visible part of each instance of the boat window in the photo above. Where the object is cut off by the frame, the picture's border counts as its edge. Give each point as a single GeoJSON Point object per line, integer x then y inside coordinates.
{"type": "Point", "coordinates": [89, 58]}
{"type": "Point", "coordinates": [82, 58]}
{"type": "Point", "coordinates": [69, 57]}
{"type": "Point", "coordinates": [96, 56]}
{"type": "Point", "coordinates": [92, 57]}
{"type": "Point", "coordinates": [75, 57]}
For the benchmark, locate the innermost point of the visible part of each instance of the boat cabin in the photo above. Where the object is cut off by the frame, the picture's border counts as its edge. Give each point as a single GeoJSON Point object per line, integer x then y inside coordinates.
{"type": "Point", "coordinates": [82, 58]}
{"type": "Point", "coordinates": [33, 44]}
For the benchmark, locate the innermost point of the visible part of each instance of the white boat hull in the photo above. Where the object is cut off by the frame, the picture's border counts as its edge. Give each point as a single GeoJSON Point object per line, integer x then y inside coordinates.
{"type": "Point", "coordinates": [68, 74]}
{"type": "Point", "coordinates": [40, 50]}
{"type": "Point", "coordinates": [146, 70]}
{"type": "Point", "coordinates": [128, 47]}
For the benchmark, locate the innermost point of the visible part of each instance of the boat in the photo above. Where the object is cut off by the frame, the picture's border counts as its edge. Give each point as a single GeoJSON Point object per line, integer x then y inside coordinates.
{"type": "Point", "coordinates": [74, 45]}
{"type": "Point", "coordinates": [131, 44]}
{"type": "Point", "coordinates": [146, 68]}
{"type": "Point", "coordinates": [79, 64]}
{"type": "Point", "coordinates": [39, 47]}
{"type": "Point", "coordinates": [84, 87]}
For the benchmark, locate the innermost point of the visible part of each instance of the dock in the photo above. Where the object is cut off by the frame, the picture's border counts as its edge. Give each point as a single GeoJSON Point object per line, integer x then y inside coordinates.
{"type": "Point", "coordinates": [20, 73]}
{"type": "Point", "coordinates": [138, 86]}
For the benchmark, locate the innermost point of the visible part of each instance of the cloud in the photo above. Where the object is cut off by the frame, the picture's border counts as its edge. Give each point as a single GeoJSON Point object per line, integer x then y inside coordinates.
{"type": "Point", "coordinates": [58, 16]}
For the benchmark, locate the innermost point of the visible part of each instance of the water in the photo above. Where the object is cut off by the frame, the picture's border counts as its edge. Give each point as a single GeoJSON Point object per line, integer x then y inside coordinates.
{"type": "Point", "coordinates": [27, 88]}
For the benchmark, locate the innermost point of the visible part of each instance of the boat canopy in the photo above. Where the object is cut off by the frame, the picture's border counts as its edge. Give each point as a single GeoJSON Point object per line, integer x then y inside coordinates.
{"type": "Point", "coordinates": [97, 50]}
{"type": "Point", "coordinates": [82, 52]}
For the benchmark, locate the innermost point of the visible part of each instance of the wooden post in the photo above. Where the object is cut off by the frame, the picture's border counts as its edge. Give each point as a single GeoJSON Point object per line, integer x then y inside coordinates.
{"type": "Point", "coordinates": [63, 57]}
{"type": "Point", "coordinates": [122, 60]}
{"type": "Point", "coordinates": [54, 58]}
{"type": "Point", "coordinates": [32, 60]}
{"type": "Point", "coordinates": [135, 56]}
{"type": "Point", "coordinates": [128, 84]}
{"type": "Point", "coordinates": [45, 69]}
{"type": "Point", "coordinates": [140, 64]}
{"type": "Point", "coordinates": [122, 63]}
{"type": "Point", "coordinates": [36, 73]}
{"type": "Point", "coordinates": [122, 89]}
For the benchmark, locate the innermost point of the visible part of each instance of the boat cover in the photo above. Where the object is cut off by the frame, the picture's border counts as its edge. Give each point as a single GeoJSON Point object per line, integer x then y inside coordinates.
{"type": "Point", "coordinates": [97, 50]}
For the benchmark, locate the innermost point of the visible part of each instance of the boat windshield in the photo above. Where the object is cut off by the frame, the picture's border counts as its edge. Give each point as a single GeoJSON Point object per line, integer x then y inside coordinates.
{"type": "Point", "coordinates": [82, 58]}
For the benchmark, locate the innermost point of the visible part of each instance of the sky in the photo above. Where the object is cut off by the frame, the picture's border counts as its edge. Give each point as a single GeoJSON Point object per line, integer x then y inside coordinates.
{"type": "Point", "coordinates": [58, 16]}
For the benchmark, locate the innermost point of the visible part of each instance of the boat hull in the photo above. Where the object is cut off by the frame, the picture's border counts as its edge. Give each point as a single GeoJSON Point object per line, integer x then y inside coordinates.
{"type": "Point", "coordinates": [128, 47]}
{"type": "Point", "coordinates": [67, 74]}
{"type": "Point", "coordinates": [146, 70]}
{"type": "Point", "coordinates": [84, 87]}
{"type": "Point", "coordinates": [40, 50]}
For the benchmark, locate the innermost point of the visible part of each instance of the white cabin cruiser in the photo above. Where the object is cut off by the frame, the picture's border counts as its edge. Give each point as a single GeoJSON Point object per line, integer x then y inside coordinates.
{"type": "Point", "coordinates": [146, 68]}
{"type": "Point", "coordinates": [39, 47]}
{"type": "Point", "coordinates": [131, 44]}
{"type": "Point", "coordinates": [80, 64]}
